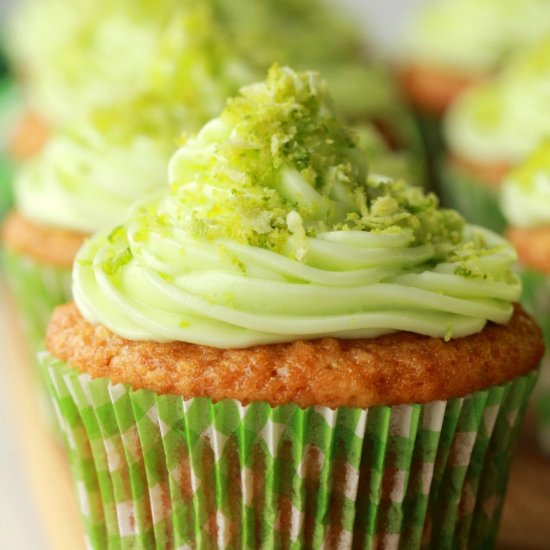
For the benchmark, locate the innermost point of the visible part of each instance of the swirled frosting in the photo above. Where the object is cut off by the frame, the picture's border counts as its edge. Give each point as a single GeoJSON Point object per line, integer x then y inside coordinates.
{"type": "Point", "coordinates": [525, 194]}
{"type": "Point", "coordinates": [82, 54]}
{"type": "Point", "coordinates": [505, 119]}
{"type": "Point", "coordinates": [89, 173]}
{"type": "Point", "coordinates": [273, 230]}
{"type": "Point", "coordinates": [474, 36]}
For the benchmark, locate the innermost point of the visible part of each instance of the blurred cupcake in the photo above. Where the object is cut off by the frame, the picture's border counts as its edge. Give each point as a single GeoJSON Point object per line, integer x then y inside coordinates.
{"type": "Point", "coordinates": [96, 54]}
{"type": "Point", "coordinates": [281, 350]}
{"type": "Point", "coordinates": [454, 43]}
{"type": "Point", "coordinates": [83, 180]}
{"type": "Point", "coordinates": [490, 129]}
{"type": "Point", "coordinates": [525, 200]}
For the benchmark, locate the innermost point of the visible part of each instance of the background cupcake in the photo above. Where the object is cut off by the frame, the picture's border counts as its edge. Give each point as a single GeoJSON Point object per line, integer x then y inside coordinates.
{"type": "Point", "coordinates": [490, 129]}
{"type": "Point", "coordinates": [525, 200]}
{"type": "Point", "coordinates": [236, 371]}
{"type": "Point", "coordinates": [453, 44]}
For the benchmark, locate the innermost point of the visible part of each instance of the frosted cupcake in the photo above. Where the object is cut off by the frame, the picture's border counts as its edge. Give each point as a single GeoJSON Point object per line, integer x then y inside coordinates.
{"type": "Point", "coordinates": [525, 200]}
{"type": "Point", "coordinates": [84, 180]}
{"type": "Point", "coordinates": [452, 44]}
{"type": "Point", "coordinates": [281, 349]}
{"type": "Point", "coordinates": [490, 129]}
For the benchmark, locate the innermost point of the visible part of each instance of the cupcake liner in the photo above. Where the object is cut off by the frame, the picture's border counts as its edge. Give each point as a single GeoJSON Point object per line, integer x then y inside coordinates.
{"type": "Point", "coordinates": [536, 299]}
{"type": "Point", "coordinates": [36, 290]}
{"type": "Point", "coordinates": [160, 471]}
{"type": "Point", "coordinates": [474, 199]}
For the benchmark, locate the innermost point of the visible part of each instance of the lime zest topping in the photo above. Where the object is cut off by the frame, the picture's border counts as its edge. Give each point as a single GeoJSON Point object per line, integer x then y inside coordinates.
{"type": "Point", "coordinates": [272, 230]}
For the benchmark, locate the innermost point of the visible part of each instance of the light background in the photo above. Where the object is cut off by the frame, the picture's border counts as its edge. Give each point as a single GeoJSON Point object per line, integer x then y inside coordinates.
{"type": "Point", "coordinates": [383, 20]}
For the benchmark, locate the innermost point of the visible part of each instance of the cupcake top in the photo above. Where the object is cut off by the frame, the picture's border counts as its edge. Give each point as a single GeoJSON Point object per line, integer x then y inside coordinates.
{"type": "Point", "coordinates": [474, 36]}
{"type": "Point", "coordinates": [90, 172]}
{"type": "Point", "coordinates": [505, 119]}
{"type": "Point", "coordinates": [273, 230]}
{"type": "Point", "coordinates": [525, 195]}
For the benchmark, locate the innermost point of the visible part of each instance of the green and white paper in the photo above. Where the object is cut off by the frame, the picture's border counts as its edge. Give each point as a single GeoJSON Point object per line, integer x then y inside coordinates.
{"type": "Point", "coordinates": [160, 471]}
{"type": "Point", "coordinates": [36, 290]}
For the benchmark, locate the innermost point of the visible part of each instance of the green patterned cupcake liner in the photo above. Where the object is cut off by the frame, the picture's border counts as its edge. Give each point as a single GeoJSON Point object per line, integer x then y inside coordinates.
{"type": "Point", "coordinates": [36, 290]}
{"type": "Point", "coordinates": [160, 471]}
{"type": "Point", "coordinates": [474, 199]}
{"type": "Point", "coordinates": [536, 299]}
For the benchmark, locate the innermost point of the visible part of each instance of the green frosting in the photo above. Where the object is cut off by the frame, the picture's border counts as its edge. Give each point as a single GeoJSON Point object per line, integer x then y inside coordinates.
{"type": "Point", "coordinates": [525, 195]}
{"type": "Point", "coordinates": [503, 120]}
{"type": "Point", "coordinates": [474, 36]}
{"type": "Point", "coordinates": [272, 229]}
{"type": "Point", "coordinates": [195, 52]}
{"type": "Point", "coordinates": [90, 172]}
{"type": "Point", "coordinates": [80, 54]}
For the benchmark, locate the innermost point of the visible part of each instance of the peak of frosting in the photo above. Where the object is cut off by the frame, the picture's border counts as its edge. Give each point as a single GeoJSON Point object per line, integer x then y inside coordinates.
{"type": "Point", "coordinates": [280, 148]}
{"type": "Point", "coordinates": [272, 229]}
{"type": "Point", "coordinates": [525, 195]}
{"type": "Point", "coordinates": [504, 119]}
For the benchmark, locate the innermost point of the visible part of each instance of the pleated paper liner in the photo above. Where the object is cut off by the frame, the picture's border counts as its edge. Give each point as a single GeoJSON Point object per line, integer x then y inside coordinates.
{"type": "Point", "coordinates": [536, 299]}
{"type": "Point", "coordinates": [475, 200]}
{"type": "Point", "coordinates": [160, 471]}
{"type": "Point", "coordinates": [35, 289]}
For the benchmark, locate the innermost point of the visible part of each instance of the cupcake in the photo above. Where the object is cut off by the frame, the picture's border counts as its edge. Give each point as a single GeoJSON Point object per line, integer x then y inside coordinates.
{"type": "Point", "coordinates": [283, 350]}
{"type": "Point", "coordinates": [490, 129]}
{"type": "Point", "coordinates": [450, 45]}
{"type": "Point", "coordinates": [453, 44]}
{"type": "Point", "coordinates": [525, 200]}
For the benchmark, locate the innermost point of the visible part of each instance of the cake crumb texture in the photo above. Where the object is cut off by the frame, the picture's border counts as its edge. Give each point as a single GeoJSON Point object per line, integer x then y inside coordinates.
{"type": "Point", "coordinates": [389, 370]}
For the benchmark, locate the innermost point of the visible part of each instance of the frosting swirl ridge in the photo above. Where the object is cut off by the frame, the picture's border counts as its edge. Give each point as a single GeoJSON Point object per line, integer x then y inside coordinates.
{"type": "Point", "coordinates": [272, 229]}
